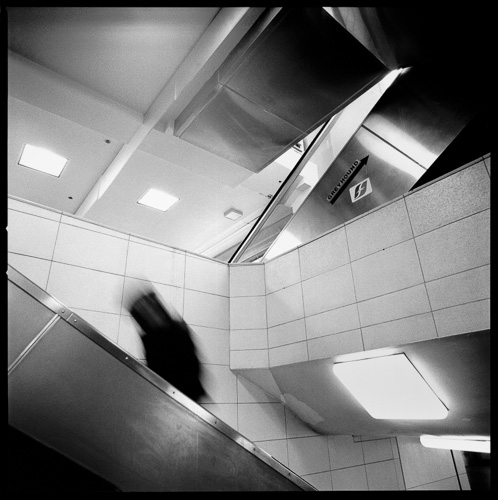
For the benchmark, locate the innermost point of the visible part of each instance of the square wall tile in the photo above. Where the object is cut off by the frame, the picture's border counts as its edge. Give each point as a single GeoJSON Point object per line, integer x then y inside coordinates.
{"type": "Point", "coordinates": [386, 271]}
{"type": "Point", "coordinates": [344, 452]}
{"type": "Point", "coordinates": [282, 271]}
{"type": "Point", "coordinates": [352, 478]}
{"type": "Point", "coordinates": [206, 309]}
{"type": "Point", "coordinates": [466, 318]}
{"type": "Point", "coordinates": [247, 280]}
{"type": "Point", "coordinates": [241, 340]}
{"type": "Point", "coordinates": [423, 465]}
{"type": "Point", "coordinates": [75, 221]}
{"type": "Point", "coordinates": [333, 345]}
{"type": "Point", "coordinates": [219, 383]}
{"type": "Point", "coordinates": [170, 296]}
{"type": "Point", "coordinates": [460, 288]}
{"type": "Point", "coordinates": [276, 448]}
{"type": "Point", "coordinates": [395, 305]}
{"type": "Point", "coordinates": [129, 338]}
{"type": "Point", "coordinates": [244, 360]}
{"type": "Point", "coordinates": [85, 248]}
{"type": "Point", "coordinates": [321, 481]}
{"type": "Point", "coordinates": [382, 476]}
{"type": "Point", "coordinates": [296, 427]}
{"type": "Point", "coordinates": [81, 288]}
{"type": "Point", "coordinates": [459, 195]}
{"type": "Point", "coordinates": [400, 331]}
{"type": "Point", "coordinates": [206, 275]}
{"type": "Point", "coordinates": [212, 345]}
{"type": "Point", "coordinates": [35, 269]}
{"type": "Point", "coordinates": [31, 235]}
{"type": "Point", "coordinates": [287, 333]}
{"type": "Point", "coordinates": [329, 291]}
{"type": "Point", "coordinates": [329, 322]}
{"type": "Point", "coordinates": [152, 263]}
{"type": "Point", "coordinates": [448, 484]}
{"type": "Point", "coordinates": [288, 354]}
{"type": "Point", "coordinates": [263, 379]}
{"type": "Point", "coordinates": [467, 241]}
{"type": "Point", "coordinates": [105, 323]}
{"type": "Point", "coordinates": [248, 392]}
{"type": "Point", "coordinates": [377, 450]}
{"type": "Point", "coordinates": [378, 230]}
{"type": "Point", "coordinates": [285, 305]}
{"type": "Point", "coordinates": [28, 208]}
{"type": "Point", "coordinates": [308, 455]}
{"type": "Point", "coordinates": [247, 313]}
{"type": "Point", "coordinates": [324, 254]}
{"type": "Point", "coordinates": [262, 421]}
{"type": "Point", "coordinates": [227, 412]}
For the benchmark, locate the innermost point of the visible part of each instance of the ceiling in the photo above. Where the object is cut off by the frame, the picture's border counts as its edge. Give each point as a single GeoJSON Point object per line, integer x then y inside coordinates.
{"type": "Point", "coordinates": [103, 86]}
{"type": "Point", "coordinates": [94, 85]}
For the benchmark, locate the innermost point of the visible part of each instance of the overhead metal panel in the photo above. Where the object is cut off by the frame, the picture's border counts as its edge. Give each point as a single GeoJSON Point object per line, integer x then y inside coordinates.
{"type": "Point", "coordinates": [295, 69]}
{"type": "Point", "coordinates": [412, 124]}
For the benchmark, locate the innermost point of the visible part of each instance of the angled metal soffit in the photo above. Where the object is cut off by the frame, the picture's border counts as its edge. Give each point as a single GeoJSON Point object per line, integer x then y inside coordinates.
{"type": "Point", "coordinates": [421, 120]}
{"type": "Point", "coordinates": [293, 71]}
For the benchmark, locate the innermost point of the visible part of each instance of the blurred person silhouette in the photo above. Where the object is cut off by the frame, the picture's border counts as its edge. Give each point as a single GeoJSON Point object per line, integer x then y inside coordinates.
{"type": "Point", "coordinates": [169, 349]}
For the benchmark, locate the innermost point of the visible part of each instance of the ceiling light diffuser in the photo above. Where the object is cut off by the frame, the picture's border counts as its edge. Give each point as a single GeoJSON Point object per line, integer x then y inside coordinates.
{"type": "Point", "coordinates": [457, 443]}
{"type": "Point", "coordinates": [389, 387]}
{"type": "Point", "coordinates": [157, 199]}
{"type": "Point", "coordinates": [43, 160]}
{"type": "Point", "coordinates": [233, 214]}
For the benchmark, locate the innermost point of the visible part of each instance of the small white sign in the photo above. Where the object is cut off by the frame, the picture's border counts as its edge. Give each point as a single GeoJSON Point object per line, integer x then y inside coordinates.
{"type": "Point", "coordinates": [360, 190]}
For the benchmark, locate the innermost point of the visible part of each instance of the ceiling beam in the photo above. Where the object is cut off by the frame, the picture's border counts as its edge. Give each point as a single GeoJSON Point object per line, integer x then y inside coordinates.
{"type": "Point", "coordinates": [219, 39]}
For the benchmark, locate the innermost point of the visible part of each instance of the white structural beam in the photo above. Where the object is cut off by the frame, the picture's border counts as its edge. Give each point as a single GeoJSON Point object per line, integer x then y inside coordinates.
{"type": "Point", "coordinates": [220, 38]}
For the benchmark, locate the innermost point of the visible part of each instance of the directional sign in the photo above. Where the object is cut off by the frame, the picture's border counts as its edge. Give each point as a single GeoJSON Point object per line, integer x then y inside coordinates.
{"type": "Point", "coordinates": [360, 190]}
{"type": "Point", "coordinates": [346, 179]}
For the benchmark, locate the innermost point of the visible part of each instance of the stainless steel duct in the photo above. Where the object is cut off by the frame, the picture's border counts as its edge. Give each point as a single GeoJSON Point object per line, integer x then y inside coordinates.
{"type": "Point", "coordinates": [292, 71]}
{"type": "Point", "coordinates": [412, 124]}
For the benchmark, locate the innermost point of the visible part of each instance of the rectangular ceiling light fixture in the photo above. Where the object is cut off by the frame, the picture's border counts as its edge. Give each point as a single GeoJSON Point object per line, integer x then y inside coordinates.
{"type": "Point", "coordinates": [389, 387]}
{"type": "Point", "coordinates": [233, 214]}
{"type": "Point", "coordinates": [462, 443]}
{"type": "Point", "coordinates": [157, 199]}
{"type": "Point", "coordinates": [43, 160]}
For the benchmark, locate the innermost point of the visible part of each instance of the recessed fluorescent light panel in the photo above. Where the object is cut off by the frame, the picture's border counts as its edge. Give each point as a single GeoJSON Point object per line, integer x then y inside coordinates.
{"type": "Point", "coordinates": [389, 387]}
{"type": "Point", "coordinates": [43, 160]}
{"type": "Point", "coordinates": [233, 214]}
{"type": "Point", "coordinates": [157, 199]}
{"type": "Point", "coordinates": [462, 443]}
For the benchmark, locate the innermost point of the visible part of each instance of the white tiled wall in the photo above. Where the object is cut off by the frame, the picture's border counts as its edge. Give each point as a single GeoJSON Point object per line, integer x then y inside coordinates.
{"type": "Point", "coordinates": [381, 279]}
{"type": "Point", "coordinates": [414, 269]}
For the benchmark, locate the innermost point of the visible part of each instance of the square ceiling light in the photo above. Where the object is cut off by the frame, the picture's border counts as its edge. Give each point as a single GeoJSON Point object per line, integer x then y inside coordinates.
{"type": "Point", "coordinates": [233, 214]}
{"type": "Point", "coordinates": [157, 199]}
{"type": "Point", "coordinates": [389, 387]}
{"type": "Point", "coordinates": [43, 160]}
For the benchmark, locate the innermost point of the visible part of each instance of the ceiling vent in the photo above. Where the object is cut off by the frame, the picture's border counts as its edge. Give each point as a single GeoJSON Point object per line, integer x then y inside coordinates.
{"type": "Point", "coordinates": [293, 70]}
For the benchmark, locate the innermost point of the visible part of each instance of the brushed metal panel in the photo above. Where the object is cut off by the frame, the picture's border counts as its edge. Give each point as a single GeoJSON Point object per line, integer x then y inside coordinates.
{"type": "Point", "coordinates": [84, 396]}
{"type": "Point", "coordinates": [424, 110]}
{"type": "Point", "coordinates": [236, 129]}
{"type": "Point", "coordinates": [391, 174]}
{"type": "Point", "coordinates": [74, 396]}
{"type": "Point", "coordinates": [305, 68]}
{"type": "Point", "coordinates": [26, 319]}
{"type": "Point", "coordinates": [284, 79]}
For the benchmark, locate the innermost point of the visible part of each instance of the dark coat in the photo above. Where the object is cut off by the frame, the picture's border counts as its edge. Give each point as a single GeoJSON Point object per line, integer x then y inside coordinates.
{"type": "Point", "coordinates": [170, 351]}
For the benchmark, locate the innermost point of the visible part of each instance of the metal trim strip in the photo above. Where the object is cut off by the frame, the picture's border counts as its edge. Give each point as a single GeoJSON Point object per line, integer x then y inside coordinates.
{"type": "Point", "coordinates": [93, 334]}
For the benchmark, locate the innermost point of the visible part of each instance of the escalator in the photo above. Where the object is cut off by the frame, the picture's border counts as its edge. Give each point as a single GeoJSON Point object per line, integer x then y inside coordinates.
{"type": "Point", "coordinates": [88, 403]}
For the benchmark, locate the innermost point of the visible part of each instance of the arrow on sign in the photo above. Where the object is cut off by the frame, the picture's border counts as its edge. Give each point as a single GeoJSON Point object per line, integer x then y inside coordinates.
{"type": "Point", "coordinates": [346, 179]}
